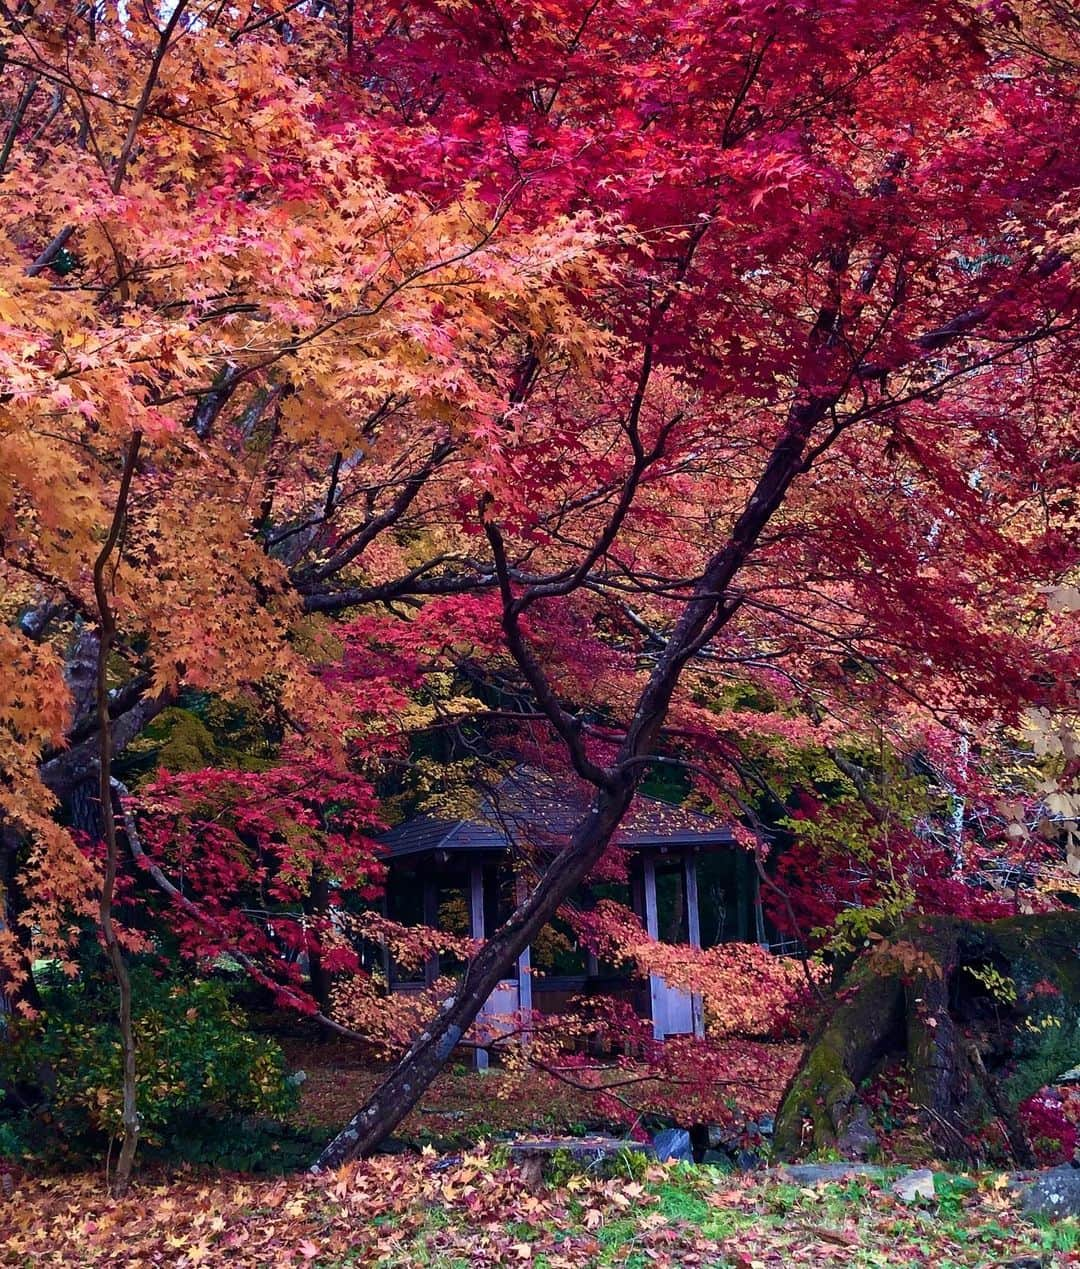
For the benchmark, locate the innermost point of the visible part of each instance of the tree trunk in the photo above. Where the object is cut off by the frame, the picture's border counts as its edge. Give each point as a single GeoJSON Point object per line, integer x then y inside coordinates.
{"type": "Point", "coordinates": [823, 1100]}
{"type": "Point", "coordinates": [405, 1085]}
{"type": "Point", "coordinates": [317, 905]}
{"type": "Point", "coordinates": [703, 616]}
{"type": "Point", "coordinates": [984, 1013]}
{"type": "Point", "coordinates": [107, 626]}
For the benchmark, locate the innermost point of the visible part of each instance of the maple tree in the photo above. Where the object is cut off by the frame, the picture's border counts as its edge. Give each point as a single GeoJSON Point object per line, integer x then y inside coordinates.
{"type": "Point", "coordinates": [533, 369]}
{"type": "Point", "coordinates": [816, 270]}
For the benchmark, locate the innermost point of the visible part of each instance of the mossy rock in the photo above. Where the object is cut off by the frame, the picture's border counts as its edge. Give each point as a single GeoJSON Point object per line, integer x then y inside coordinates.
{"type": "Point", "coordinates": [970, 1056]}
{"type": "Point", "coordinates": [177, 740]}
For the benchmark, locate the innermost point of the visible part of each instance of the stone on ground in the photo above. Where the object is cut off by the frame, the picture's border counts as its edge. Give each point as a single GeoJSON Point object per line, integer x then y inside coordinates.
{"type": "Point", "coordinates": [913, 1186]}
{"type": "Point", "coordinates": [1055, 1192]}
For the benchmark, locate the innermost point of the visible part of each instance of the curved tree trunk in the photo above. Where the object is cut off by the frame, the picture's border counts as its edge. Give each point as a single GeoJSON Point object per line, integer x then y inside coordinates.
{"type": "Point", "coordinates": [985, 1013]}
{"type": "Point", "coordinates": [405, 1085]}
{"type": "Point", "coordinates": [702, 618]}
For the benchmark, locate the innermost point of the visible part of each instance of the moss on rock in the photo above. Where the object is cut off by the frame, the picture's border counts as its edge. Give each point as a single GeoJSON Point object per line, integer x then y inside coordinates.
{"type": "Point", "coordinates": [986, 1014]}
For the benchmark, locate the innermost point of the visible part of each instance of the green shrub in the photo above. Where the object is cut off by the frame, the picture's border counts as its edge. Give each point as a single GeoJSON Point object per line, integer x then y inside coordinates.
{"type": "Point", "coordinates": [196, 1063]}
{"type": "Point", "coordinates": [262, 1146]}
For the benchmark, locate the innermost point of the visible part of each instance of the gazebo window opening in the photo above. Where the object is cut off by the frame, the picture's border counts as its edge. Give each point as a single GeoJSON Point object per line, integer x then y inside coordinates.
{"type": "Point", "coordinates": [557, 953]}
{"type": "Point", "coordinates": [405, 905]}
{"type": "Point", "coordinates": [671, 913]}
{"type": "Point", "coordinates": [727, 885]}
{"type": "Point", "coordinates": [453, 918]}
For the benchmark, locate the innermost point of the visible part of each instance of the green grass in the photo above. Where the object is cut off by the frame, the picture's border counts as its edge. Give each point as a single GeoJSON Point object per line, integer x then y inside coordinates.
{"type": "Point", "coordinates": [614, 1236]}
{"type": "Point", "coordinates": [677, 1204]}
{"type": "Point", "coordinates": [1060, 1235]}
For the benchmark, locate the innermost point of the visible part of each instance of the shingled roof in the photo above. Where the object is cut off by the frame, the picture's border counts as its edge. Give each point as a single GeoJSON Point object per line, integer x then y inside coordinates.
{"type": "Point", "coordinates": [528, 808]}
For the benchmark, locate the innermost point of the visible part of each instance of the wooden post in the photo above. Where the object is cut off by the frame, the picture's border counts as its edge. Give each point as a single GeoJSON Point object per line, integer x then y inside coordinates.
{"type": "Point", "coordinates": [743, 891]}
{"type": "Point", "coordinates": [431, 920]}
{"type": "Point", "coordinates": [525, 999]}
{"type": "Point", "coordinates": [657, 987]}
{"type": "Point", "coordinates": [637, 896]}
{"type": "Point", "coordinates": [384, 947]}
{"type": "Point", "coordinates": [693, 930]}
{"type": "Point", "coordinates": [476, 929]}
{"type": "Point", "coordinates": [759, 909]}
{"type": "Point", "coordinates": [693, 916]}
{"type": "Point", "coordinates": [652, 927]}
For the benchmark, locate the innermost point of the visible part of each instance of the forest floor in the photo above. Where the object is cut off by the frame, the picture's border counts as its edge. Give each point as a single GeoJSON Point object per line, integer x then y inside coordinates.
{"type": "Point", "coordinates": [472, 1211]}
{"type": "Point", "coordinates": [459, 1206]}
{"type": "Point", "coordinates": [463, 1107]}
{"type": "Point", "coordinates": [460, 1108]}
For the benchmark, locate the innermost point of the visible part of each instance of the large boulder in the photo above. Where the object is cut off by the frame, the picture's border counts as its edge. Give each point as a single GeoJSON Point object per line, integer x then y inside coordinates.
{"type": "Point", "coordinates": [1055, 1192]}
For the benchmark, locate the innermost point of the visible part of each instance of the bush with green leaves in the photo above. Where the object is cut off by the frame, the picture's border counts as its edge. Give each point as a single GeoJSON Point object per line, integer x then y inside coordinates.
{"type": "Point", "coordinates": [60, 1075]}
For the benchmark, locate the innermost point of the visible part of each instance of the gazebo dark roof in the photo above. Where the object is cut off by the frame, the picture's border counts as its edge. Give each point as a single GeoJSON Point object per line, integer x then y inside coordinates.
{"type": "Point", "coordinates": [530, 808]}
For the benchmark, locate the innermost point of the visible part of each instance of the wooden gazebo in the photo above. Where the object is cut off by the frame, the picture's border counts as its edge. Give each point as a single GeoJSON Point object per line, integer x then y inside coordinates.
{"type": "Point", "coordinates": [477, 860]}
